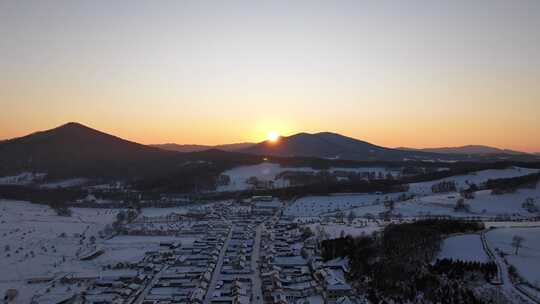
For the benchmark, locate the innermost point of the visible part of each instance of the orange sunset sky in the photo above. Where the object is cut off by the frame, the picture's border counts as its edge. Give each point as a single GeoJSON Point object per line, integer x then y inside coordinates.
{"type": "Point", "coordinates": [403, 73]}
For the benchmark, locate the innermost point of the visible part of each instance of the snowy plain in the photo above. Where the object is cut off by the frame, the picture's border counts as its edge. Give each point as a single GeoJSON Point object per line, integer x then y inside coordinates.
{"type": "Point", "coordinates": [527, 261]}
{"type": "Point", "coordinates": [466, 247]}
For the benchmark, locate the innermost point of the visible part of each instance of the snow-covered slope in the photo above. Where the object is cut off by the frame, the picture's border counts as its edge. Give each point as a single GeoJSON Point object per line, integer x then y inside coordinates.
{"type": "Point", "coordinates": [24, 178]}
{"type": "Point", "coordinates": [269, 171]}
{"type": "Point", "coordinates": [476, 178]}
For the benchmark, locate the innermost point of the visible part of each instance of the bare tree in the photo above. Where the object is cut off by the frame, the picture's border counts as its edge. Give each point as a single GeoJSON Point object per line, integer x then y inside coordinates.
{"type": "Point", "coordinates": [517, 243]}
{"type": "Point", "coordinates": [340, 216]}
{"type": "Point", "coordinates": [351, 217]}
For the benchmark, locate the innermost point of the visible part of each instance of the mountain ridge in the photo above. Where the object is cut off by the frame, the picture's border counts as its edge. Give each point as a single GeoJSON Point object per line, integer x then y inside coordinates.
{"type": "Point", "coordinates": [73, 148]}
{"type": "Point", "coordinates": [198, 148]}
{"type": "Point", "coordinates": [466, 149]}
{"type": "Point", "coordinates": [331, 146]}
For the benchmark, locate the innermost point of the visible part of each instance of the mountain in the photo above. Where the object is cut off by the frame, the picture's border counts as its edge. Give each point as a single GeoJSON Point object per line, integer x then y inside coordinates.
{"type": "Point", "coordinates": [197, 148]}
{"type": "Point", "coordinates": [76, 150]}
{"type": "Point", "coordinates": [333, 146]}
{"type": "Point", "coordinates": [468, 150]}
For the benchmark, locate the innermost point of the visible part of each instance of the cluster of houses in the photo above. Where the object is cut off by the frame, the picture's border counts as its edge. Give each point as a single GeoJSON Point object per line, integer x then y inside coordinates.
{"type": "Point", "coordinates": [187, 270]}
{"type": "Point", "coordinates": [293, 272]}
{"type": "Point", "coordinates": [235, 279]}
{"type": "Point", "coordinates": [172, 271]}
{"type": "Point", "coordinates": [240, 253]}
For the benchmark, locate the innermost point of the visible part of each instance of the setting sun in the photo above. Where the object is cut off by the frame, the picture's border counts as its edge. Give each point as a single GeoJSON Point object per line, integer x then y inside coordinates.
{"type": "Point", "coordinates": [273, 136]}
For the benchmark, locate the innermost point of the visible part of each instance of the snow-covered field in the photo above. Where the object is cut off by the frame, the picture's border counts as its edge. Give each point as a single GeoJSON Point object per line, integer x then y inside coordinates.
{"type": "Point", "coordinates": [35, 242]}
{"type": "Point", "coordinates": [24, 178]}
{"type": "Point", "coordinates": [467, 247]}
{"type": "Point", "coordinates": [269, 171]}
{"type": "Point", "coordinates": [65, 183]}
{"type": "Point", "coordinates": [153, 212]}
{"type": "Point", "coordinates": [361, 204]}
{"type": "Point", "coordinates": [132, 248]}
{"type": "Point", "coordinates": [477, 178]}
{"type": "Point", "coordinates": [484, 205]}
{"type": "Point", "coordinates": [426, 203]}
{"type": "Point", "coordinates": [527, 261]}
{"type": "Point", "coordinates": [334, 230]}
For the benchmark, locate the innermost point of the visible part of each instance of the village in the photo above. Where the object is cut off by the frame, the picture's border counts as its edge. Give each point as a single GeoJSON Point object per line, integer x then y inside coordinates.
{"type": "Point", "coordinates": [225, 252]}
{"type": "Point", "coordinates": [260, 249]}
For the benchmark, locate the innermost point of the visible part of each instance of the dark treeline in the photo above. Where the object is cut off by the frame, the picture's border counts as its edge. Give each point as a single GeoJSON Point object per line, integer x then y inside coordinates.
{"type": "Point", "coordinates": [201, 170]}
{"type": "Point", "coordinates": [457, 269]}
{"type": "Point", "coordinates": [42, 195]}
{"type": "Point", "coordinates": [461, 168]}
{"type": "Point", "coordinates": [384, 186]}
{"type": "Point", "coordinates": [502, 185]}
{"type": "Point", "coordinates": [61, 198]}
{"type": "Point", "coordinates": [396, 263]}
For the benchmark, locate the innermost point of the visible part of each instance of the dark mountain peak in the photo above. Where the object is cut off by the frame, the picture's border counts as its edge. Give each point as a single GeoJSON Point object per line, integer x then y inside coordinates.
{"type": "Point", "coordinates": [298, 135]}
{"type": "Point", "coordinates": [74, 149]}
{"type": "Point", "coordinates": [73, 127]}
{"type": "Point", "coordinates": [73, 124]}
{"type": "Point", "coordinates": [75, 134]}
{"type": "Point", "coordinates": [324, 145]}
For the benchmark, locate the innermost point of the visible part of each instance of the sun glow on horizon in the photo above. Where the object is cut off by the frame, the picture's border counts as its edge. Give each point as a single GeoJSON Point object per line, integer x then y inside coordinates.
{"type": "Point", "coordinates": [272, 136]}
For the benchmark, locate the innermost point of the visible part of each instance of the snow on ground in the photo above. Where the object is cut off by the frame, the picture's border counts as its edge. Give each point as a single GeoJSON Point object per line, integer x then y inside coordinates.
{"type": "Point", "coordinates": [65, 183]}
{"type": "Point", "coordinates": [427, 203]}
{"type": "Point", "coordinates": [24, 178]}
{"type": "Point", "coordinates": [37, 243]}
{"type": "Point", "coordinates": [133, 248]}
{"type": "Point", "coordinates": [32, 244]}
{"type": "Point", "coordinates": [527, 262]}
{"type": "Point", "coordinates": [335, 230]}
{"type": "Point", "coordinates": [511, 224]}
{"type": "Point", "coordinates": [269, 171]}
{"type": "Point", "coordinates": [263, 171]}
{"type": "Point", "coordinates": [419, 208]}
{"type": "Point", "coordinates": [484, 204]}
{"type": "Point", "coordinates": [155, 212]}
{"type": "Point", "coordinates": [510, 203]}
{"type": "Point", "coordinates": [361, 203]}
{"type": "Point", "coordinates": [478, 178]}
{"type": "Point", "coordinates": [467, 247]}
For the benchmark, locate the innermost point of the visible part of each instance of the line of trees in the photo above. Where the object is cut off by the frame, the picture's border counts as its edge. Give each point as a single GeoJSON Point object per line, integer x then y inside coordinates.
{"type": "Point", "coordinates": [509, 185]}
{"type": "Point", "coordinates": [456, 269]}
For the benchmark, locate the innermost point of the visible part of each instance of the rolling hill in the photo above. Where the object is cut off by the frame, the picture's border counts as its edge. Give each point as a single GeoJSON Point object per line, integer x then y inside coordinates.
{"type": "Point", "coordinates": [467, 150]}
{"type": "Point", "coordinates": [334, 146]}
{"type": "Point", "coordinates": [76, 150]}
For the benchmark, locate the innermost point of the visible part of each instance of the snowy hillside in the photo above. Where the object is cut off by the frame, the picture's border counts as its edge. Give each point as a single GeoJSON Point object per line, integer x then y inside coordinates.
{"type": "Point", "coordinates": [477, 178]}
{"type": "Point", "coordinates": [269, 171]}
{"type": "Point", "coordinates": [24, 178]}
{"type": "Point", "coordinates": [319, 205]}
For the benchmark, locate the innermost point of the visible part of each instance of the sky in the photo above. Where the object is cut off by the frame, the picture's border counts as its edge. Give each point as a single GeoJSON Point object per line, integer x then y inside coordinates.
{"type": "Point", "coordinates": [394, 73]}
